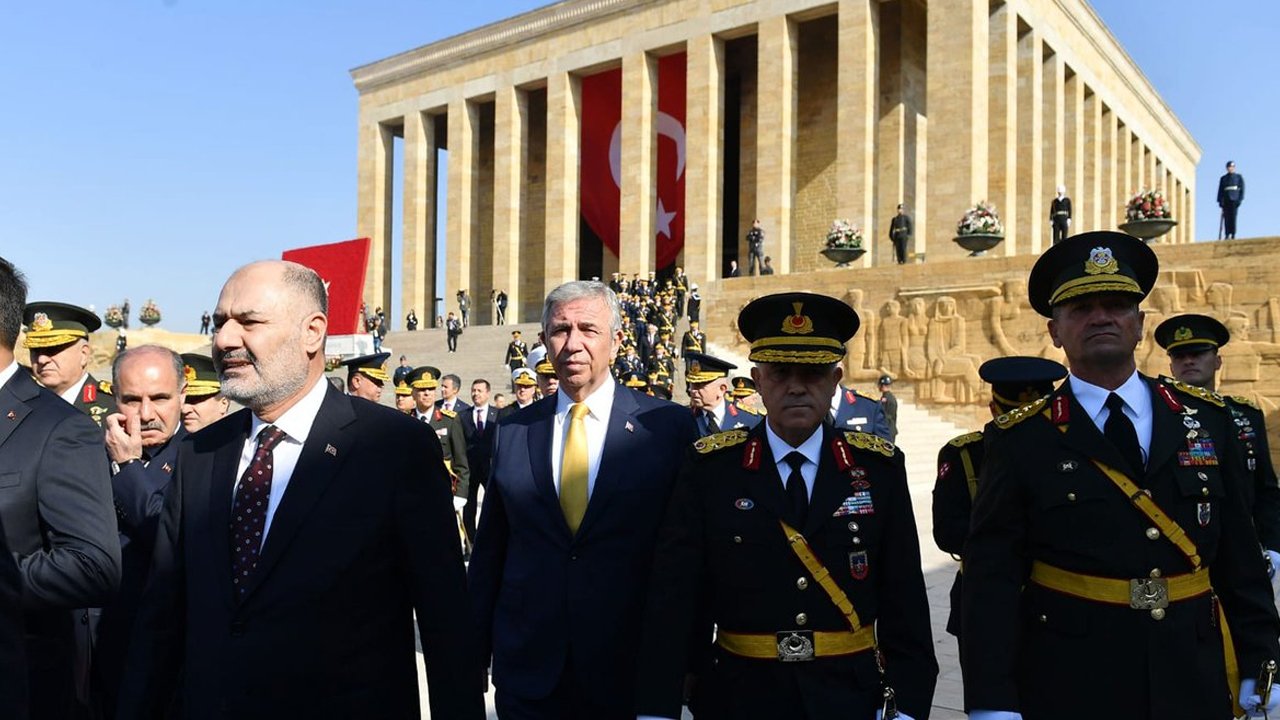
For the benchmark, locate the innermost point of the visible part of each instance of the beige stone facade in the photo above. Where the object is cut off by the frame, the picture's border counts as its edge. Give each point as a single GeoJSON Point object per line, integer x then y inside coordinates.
{"type": "Point", "coordinates": [797, 112]}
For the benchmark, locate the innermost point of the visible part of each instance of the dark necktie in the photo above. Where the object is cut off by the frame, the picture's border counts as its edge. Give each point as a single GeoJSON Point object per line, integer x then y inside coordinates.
{"type": "Point", "coordinates": [1120, 431]}
{"type": "Point", "coordinates": [249, 513]}
{"type": "Point", "coordinates": [480, 419]}
{"type": "Point", "coordinates": [713, 427]}
{"type": "Point", "coordinates": [796, 489]}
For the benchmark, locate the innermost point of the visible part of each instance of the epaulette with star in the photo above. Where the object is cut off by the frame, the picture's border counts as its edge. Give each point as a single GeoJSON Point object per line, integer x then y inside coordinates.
{"type": "Point", "coordinates": [1246, 401]}
{"type": "Point", "coordinates": [1196, 392]}
{"type": "Point", "coordinates": [867, 441]}
{"type": "Point", "coordinates": [105, 387]}
{"type": "Point", "coordinates": [966, 439]}
{"type": "Point", "coordinates": [720, 441]}
{"type": "Point", "coordinates": [1017, 415]}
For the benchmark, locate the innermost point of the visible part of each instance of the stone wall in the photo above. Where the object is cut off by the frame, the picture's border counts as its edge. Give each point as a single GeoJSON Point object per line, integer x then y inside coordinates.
{"type": "Point", "coordinates": [814, 206]}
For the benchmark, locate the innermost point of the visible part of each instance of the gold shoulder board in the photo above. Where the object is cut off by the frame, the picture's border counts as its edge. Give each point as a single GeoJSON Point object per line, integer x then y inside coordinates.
{"type": "Point", "coordinates": [105, 386]}
{"type": "Point", "coordinates": [448, 413]}
{"type": "Point", "coordinates": [1017, 415]}
{"type": "Point", "coordinates": [720, 441]}
{"type": "Point", "coordinates": [1246, 401]}
{"type": "Point", "coordinates": [747, 410]}
{"type": "Point", "coordinates": [1196, 392]}
{"type": "Point", "coordinates": [867, 441]}
{"type": "Point", "coordinates": [965, 439]}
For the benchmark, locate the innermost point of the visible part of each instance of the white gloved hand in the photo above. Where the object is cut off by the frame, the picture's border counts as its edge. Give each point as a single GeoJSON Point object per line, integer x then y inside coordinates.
{"type": "Point", "coordinates": [1252, 702]}
{"type": "Point", "coordinates": [901, 715]}
{"type": "Point", "coordinates": [1274, 565]}
{"type": "Point", "coordinates": [459, 503]}
{"type": "Point", "coordinates": [994, 715]}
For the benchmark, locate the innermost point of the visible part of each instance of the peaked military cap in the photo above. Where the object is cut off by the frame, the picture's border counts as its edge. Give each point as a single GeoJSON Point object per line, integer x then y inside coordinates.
{"type": "Point", "coordinates": [743, 387]}
{"type": "Point", "coordinates": [372, 366]}
{"type": "Point", "coordinates": [201, 377]}
{"type": "Point", "coordinates": [523, 377]}
{"type": "Point", "coordinates": [797, 328]}
{"type": "Point", "coordinates": [424, 377]}
{"type": "Point", "coordinates": [545, 368]}
{"type": "Point", "coordinates": [1018, 380]}
{"type": "Point", "coordinates": [635, 380]}
{"type": "Point", "coordinates": [705, 368]}
{"type": "Point", "coordinates": [50, 324]}
{"type": "Point", "coordinates": [402, 389]}
{"type": "Point", "coordinates": [1092, 263]}
{"type": "Point", "coordinates": [1191, 332]}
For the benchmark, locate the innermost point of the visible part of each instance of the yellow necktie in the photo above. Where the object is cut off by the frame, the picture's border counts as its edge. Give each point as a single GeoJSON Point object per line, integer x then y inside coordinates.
{"type": "Point", "coordinates": [573, 468]}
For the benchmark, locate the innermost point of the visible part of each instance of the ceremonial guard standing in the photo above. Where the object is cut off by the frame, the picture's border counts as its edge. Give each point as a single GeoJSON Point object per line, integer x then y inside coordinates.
{"type": "Point", "coordinates": [797, 541]}
{"type": "Point", "coordinates": [517, 351]}
{"type": "Point", "coordinates": [1192, 342]}
{"type": "Point", "coordinates": [1060, 215]}
{"type": "Point", "coordinates": [1230, 195]}
{"type": "Point", "coordinates": [693, 341]}
{"type": "Point", "coordinates": [58, 339]}
{"type": "Point", "coordinates": [1015, 381]}
{"type": "Point", "coordinates": [1109, 549]}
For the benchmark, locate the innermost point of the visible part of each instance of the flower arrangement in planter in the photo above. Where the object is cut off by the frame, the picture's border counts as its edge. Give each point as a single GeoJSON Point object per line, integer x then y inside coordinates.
{"type": "Point", "coordinates": [844, 234]}
{"type": "Point", "coordinates": [1148, 205]}
{"type": "Point", "coordinates": [113, 317]}
{"type": "Point", "coordinates": [979, 229]}
{"type": "Point", "coordinates": [150, 313]}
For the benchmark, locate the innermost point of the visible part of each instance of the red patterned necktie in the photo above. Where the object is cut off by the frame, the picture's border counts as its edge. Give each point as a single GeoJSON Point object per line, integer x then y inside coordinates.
{"type": "Point", "coordinates": [249, 513]}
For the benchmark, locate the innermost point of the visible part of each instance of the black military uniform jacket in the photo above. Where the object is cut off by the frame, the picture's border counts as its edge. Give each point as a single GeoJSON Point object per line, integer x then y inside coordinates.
{"type": "Point", "coordinates": [516, 353]}
{"type": "Point", "coordinates": [1231, 189]}
{"type": "Point", "coordinates": [1060, 210]}
{"type": "Point", "coordinates": [1041, 498]}
{"type": "Point", "coordinates": [95, 399]}
{"type": "Point", "coordinates": [959, 462]}
{"type": "Point", "coordinates": [723, 557]}
{"type": "Point", "coordinates": [1262, 496]}
{"type": "Point", "coordinates": [453, 443]}
{"type": "Point", "coordinates": [693, 342]}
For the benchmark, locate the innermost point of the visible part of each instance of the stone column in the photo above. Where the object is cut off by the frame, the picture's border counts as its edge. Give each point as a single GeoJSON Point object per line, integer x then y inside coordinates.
{"type": "Point", "coordinates": [1073, 151]}
{"type": "Point", "coordinates": [510, 145]}
{"type": "Point", "coordinates": [1091, 219]}
{"type": "Point", "coordinates": [1031, 201]}
{"type": "Point", "coordinates": [1188, 196]}
{"type": "Point", "coordinates": [1054, 146]}
{"type": "Point", "coordinates": [564, 113]}
{"type": "Point", "coordinates": [1003, 117]}
{"type": "Point", "coordinates": [373, 207]}
{"type": "Point", "coordinates": [1111, 159]}
{"type": "Point", "coordinates": [1138, 166]}
{"type": "Point", "coordinates": [704, 157]}
{"type": "Point", "coordinates": [636, 241]}
{"type": "Point", "coordinates": [856, 112]}
{"type": "Point", "coordinates": [463, 132]}
{"type": "Point", "coordinates": [959, 50]}
{"type": "Point", "coordinates": [418, 237]}
{"type": "Point", "coordinates": [776, 135]}
{"type": "Point", "coordinates": [1125, 177]}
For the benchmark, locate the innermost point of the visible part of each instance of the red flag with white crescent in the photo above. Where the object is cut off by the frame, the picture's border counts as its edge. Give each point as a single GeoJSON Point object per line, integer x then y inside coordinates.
{"type": "Point", "coordinates": [342, 267]}
{"type": "Point", "coordinates": [601, 157]}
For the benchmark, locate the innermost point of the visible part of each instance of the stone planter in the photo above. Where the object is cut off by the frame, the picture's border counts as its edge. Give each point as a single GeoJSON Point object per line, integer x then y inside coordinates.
{"type": "Point", "coordinates": [843, 256]}
{"type": "Point", "coordinates": [1148, 229]}
{"type": "Point", "coordinates": [978, 243]}
{"type": "Point", "coordinates": [149, 321]}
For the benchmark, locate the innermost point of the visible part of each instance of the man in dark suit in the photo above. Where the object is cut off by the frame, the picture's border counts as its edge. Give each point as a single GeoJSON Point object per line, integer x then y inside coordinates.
{"type": "Point", "coordinates": [578, 485]}
{"type": "Point", "coordinates": [1230, 195]}
{"type": "Point", "coordinates": [450, 384]}
{"type": "Point", "coordinates": [298, 540]}
{"type": "Point", "coordinates": [55, 504]}
{"type": "Point", "coordinates": [142, 442]}
{"type": "Point", "coordinates": [1109, 546]}
{"type": "Point", "coordinates": [479, 423]}
{"type": "Point", "coordinates": [13, 652]}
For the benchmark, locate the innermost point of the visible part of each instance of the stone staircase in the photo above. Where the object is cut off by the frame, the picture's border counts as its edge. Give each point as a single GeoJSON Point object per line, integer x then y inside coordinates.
{"type": "Point", "coordinates": [481, 349]}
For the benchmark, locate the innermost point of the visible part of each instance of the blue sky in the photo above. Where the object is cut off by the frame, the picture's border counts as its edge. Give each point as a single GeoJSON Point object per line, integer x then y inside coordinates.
{"type": "Point", "coordinates": [149, 148]}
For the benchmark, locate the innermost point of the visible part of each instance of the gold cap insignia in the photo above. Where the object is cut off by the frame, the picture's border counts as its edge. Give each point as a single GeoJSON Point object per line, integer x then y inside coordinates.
{"type": "Point", "coordinates": [188, 373]}
{"type": "Point", "coordinates": [739, 383]}
{"type": "Point", "coordinates": [797, 324]}
{"type": "Point", "coordinates": [40, 322]}
{"type": "Point", "coordinates": [1182, 333]}
{"type": "Point", "coordinates": [1101, 261]}
{"type": "Point", "coordinates": [695, 367]}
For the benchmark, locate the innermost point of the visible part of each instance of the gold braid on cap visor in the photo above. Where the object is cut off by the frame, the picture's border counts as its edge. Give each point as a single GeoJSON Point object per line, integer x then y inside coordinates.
{"type": "Point", "coordinates": [1090, 284]}
{"type": "Point", "coordinates": [37, 339]}
{"type": "Point", "coordinates": [826, 350]}
{"type": "Point", "coordinates": [1192, 341]}
{"type": "Point", "coordinates": [375, 373]}
{"type": "Point", "coordinates": [200, 388]}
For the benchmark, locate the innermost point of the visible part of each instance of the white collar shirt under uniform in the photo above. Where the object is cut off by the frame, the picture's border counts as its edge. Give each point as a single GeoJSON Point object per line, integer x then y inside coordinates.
{"type": "Point", "coordinates": [719, 410]}
{"type": "Point", "coordinates": [296, 424]}
{"type": "Point", "coordinates": [811, 449]}
{"type": "Point", "coordinates": [7, 374]}
{"type": "Point", "coordinates": [73, 392]}
{"type": "Point", "coordinates": [600, 406]}
{"type": "Point", "coordinates": [1137, 406]}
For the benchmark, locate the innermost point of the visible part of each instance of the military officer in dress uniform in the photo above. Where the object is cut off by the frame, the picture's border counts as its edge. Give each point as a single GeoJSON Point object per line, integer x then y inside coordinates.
{"type": "Point", "coordinates": [851, 410]}
{"type": "Point", "coordinates": [796, 539]}
{"type": "Point", "coordinates": [526, 384]}
{"type": "Point", "coordinates": [517, 351]}
{"type": "Point", "coordinates": [1192, 342]}
{"type": "Point", "coordinates": [713, 409]}
{"type": "Point", "coordinates": [404, 397]}
{"type": "Point", "coordinates": [743, 387]}
{"type": "Point", "coordinates": [1230, 195]}
{"type": "Point", "coordinates": [1060, 215]}
{"type": "Point", "coordinates": [1015, 381]}
{"type": "Point", "coordinates": [205, 402]}
{"type": "Point", "coordinates": [548, 383]}
{"type": "Point", "coordinates": [425, 380]}
{"type": "Point", "coordinates": [693, 341]}
{"type": "Point", "coordinates": [366, 375]}
{"type": "Point", "coordinates": [58, 339]}
{"type": "Point", "coordinates": [1109, 547]}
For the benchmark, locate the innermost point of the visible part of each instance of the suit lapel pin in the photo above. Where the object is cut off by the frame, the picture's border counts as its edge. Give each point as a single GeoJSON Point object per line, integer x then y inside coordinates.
{"type": "Point", "coordinates": [1068, 466]}
{"type": "Point", "coordinates": [167, 468]}
{"type": "Point", "coordinates": [12, 415]}
{"type": "Point", "coordinates": [629, 427]}
{"type": "Point", "coordinates": [331, 450]}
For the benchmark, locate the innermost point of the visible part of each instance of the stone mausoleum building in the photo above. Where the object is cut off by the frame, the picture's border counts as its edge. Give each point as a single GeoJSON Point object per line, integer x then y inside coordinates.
{"type": "Point", "coordinates": [595, 136]}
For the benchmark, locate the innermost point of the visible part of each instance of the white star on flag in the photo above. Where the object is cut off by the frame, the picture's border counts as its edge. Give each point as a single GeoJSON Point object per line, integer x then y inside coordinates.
{"type": "Point", "coordinates": [664, 219]}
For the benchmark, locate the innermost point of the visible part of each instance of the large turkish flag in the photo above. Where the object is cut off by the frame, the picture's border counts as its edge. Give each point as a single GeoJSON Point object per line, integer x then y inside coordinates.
{"type": "Point", "coordinates": [601, 156]}
{"type": "Point", "coordinates": [341, 266]}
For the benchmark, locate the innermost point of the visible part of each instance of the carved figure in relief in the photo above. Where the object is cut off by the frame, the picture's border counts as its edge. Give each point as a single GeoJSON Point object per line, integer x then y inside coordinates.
{"type": "Point", "coordinates": [859, 360]}
{"type": "Point", "coordinates": [952, 370]}
{"type": "Point", "coordinates": [917, 331]}
{"type": "Point", "coordinates": [893, 340]}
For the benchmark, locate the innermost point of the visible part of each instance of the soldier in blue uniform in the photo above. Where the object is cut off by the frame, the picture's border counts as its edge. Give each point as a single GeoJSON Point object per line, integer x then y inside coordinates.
{"type": "Point", "coordinates": [708, 384]}
{"type": "Point", "coordinates": [1230, 195]}
{"type": "Point", "coordinates": [796, 540]}
{"type": "Point", "coordinates": [851, 410]}
{"type": "Point", "coordinates": [58, 340]}
{"type": "Point", "coordinates": [1192, 342]}
{"type": "Point", "coordinates": [1109, 548]}
{"type": "Point", "coordinates": [1015, 381]}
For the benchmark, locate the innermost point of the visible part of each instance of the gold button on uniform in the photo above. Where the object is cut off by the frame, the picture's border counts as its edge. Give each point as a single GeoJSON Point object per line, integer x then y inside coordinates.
{"type": "Point", "coordinates": [1157, 614]}
{"type": "Point", "coordinates": [1155, 572]}
{"type": "Point", "coordinates": [1153, 534]}
{"type": "Point", "coordinates": [802, 583]}
{"type": "Point", "coordinates": [1204, 491]}
{"type": "Point", "coordinates": [802, 619]}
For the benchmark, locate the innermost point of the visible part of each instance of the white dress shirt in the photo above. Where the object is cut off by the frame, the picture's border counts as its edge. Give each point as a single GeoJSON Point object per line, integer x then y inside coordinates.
{"type": "Point", "coordinates": [73, 393]}
{"type": "Point", "coordinates": [7, 374]}
{"type": "Point", "coordinates": [481, 410]}
{"type": "Point", "coordinates": [600, 407]}
{"type": "Point", "coordinates": [811, 449]}
{"type": "Point", "coordinates": [296, 424]}
{"type": "Point", "coordinates": [1137, 406]}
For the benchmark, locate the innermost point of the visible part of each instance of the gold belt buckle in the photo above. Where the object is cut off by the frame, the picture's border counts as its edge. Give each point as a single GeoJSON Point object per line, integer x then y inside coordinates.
{"type": "Point", "coordinates": [1148, 593]}
{"type": "Point", "coordinates": [795, 645]}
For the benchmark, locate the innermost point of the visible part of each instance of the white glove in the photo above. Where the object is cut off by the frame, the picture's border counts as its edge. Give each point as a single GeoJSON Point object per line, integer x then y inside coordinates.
{"type": "Point", "coordinates": [459, 503]}
{"type": "Point", "coordinates": [1274, 562]}
{"type": "Point", "coordinates": [994, 715]}
{"type": "Point", "coordinates": [1251, 701]}
{"type": "Point", "coordinates": [901, 715]}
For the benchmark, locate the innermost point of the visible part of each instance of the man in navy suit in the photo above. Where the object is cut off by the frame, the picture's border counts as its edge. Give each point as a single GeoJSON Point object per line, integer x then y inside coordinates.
{"type": "Point", "coordinates": [298, 539]}
{"type": "Point", "coordinates": [577, 489]}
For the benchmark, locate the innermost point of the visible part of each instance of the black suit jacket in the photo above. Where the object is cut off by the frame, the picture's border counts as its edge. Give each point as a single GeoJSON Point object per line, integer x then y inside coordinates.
{"type": "Point", "coordinates": [479, 444]}
{"type": "Point", "coordinates": [364, 535]}
{"type": "Point", "coordinates": [55, 504]}
{"type": "Point", "coordinates": [13, 652]}
{"type": "Point", "coordinates": [543, 595]}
